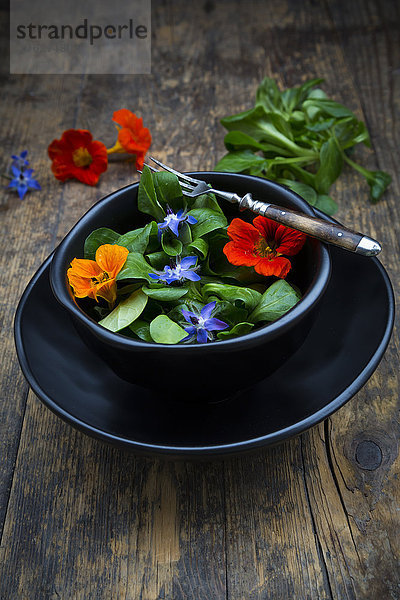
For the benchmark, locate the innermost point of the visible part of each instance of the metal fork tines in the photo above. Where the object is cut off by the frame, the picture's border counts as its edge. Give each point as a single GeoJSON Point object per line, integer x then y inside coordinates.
{"type": "Point", "coordinates": [187, 188]}
{"type": "Point", "coordinates": [192, 187]}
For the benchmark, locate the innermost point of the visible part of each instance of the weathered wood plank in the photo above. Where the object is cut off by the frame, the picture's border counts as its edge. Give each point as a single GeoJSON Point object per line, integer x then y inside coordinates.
{"type": "Point", "coordinates": [95, 522]}
{"type": "Point", "coordinates": [364, 436]}
{"type": "Point", "coordinates": [272, 547]}
{"type": "Point", "coordinates": [31, 110]}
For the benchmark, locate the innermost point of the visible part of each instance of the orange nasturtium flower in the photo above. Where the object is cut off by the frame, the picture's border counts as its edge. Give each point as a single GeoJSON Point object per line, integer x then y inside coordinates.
{"type": "Point", "coordinates": [93, 278]}
{"type": "Point", "coordinates": [133, 138]}
{"type": "Point", "coordinates": [263, 246]}
{"type": "Point", "coordinates": [77, 156]}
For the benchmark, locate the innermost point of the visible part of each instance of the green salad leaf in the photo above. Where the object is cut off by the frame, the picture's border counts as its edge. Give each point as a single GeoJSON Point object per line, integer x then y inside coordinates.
{"type": "Point", "coordinates": [207, 220]}
{"type": "Point", "coordinates": [126, 312]}
{"type": "Point", "coordinates": [165, 331]}
{"type": "Point", "coordinates": [138, 239]}
{"type": "Point", "coordinates": [147, 197]}
{"type": "Point", "coordinates": [275, 302]}
{"type": "Point", "coordinates": [168, 190]}
{"type": "Point", "coordinates": [233, 293]}
{"type": "Point", "coordinates": [97, 238]}
{"type": "Point", "coordinates": [136, 267]}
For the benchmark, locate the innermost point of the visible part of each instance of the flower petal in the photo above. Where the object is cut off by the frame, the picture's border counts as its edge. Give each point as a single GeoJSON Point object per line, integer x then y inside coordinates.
{"type": "Point", "coordinates": [188, 315]}
{"type": "Point", "coordinates": [82, 284]}
{"type": "Point", "coordinates": [191, 275]}
{"type": "Point", "coordinates": [242, 233]}
{"type": "Point", "coordinates": [174, 226]}
{"type": "Point", "coordinates": [239, 256]}
{"type": "Point", "coordinates": [215, 324]}
{"type": "Point", "coordinates": [82, 287]}
{"type": "Point", "coordinates": [83, 267]}
{"type": "Point", "coordinates": [191, 331]}
{"type": "Point", "coordinates": [278, 266]}
{"type": "Point", "coordinates": [108, 291]}
{"type": "Point", "coordinates": [34, 184]}
{"type": "Point", "coordinates": [16, 171]}
{"type": "Point", "coordinates": [111, 258]}
{"type": "Point", "coordinates": [291, 242]}
{"type": "Point", "coordinates": [266, 227]}
{"type": "Point", "coordinates": [188, 261]}
{"type": "Point", "coordinates": [126, 118]}
{"type": "Point", "coordinates": [22, 189]}
{"type": "Point", "coordinates": [134, 141]}
{"type": "Point", "coordinates": [171, 278]}
{"type": "Point", "coordinates": [287, 241]}
{"type": "Point", "coordinates": [201, 336]}
{"type": "Point", "coordinates": [207, 310]}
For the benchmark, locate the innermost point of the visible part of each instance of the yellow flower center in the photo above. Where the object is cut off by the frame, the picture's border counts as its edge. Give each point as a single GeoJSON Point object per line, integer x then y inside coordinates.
{"type": "Point", "coordinates": [266, 249]}
{"type": "Point", "coordinates": [82, 157]}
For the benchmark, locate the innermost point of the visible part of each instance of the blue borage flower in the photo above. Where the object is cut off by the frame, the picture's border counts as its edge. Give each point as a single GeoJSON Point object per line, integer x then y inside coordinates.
{"type": "Point", "coordinates": [173, 220]}
{"type": "Point", "coordinates": [22, 181]}
{"type": "Point", "coordinates": [202, 324]}
{"type": "Point", "coordinates": [180, 270]}
{"type": "Point", "coordinates": [20, 161]}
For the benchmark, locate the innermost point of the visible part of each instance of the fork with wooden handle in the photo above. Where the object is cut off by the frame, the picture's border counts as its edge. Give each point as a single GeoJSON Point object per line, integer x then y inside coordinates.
{"type": "Point", "coordinates": [331, 233]}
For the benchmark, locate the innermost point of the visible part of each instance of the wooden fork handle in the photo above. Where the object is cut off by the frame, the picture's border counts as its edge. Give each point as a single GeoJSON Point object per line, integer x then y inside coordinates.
{"type": "Point", "coordinates": [318, 228]}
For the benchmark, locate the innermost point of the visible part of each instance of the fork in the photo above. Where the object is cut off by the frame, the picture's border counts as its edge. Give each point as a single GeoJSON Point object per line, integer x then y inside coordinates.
{"type": "Point", "coordinates": [331, 233]}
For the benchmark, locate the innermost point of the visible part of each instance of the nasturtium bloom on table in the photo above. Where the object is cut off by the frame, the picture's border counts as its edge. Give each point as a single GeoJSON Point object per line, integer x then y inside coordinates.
{"type": "Point", "coordinates": [133, 138]}
{"type": "Point", "coordinates": [93, 278]}
{"type": "Point", "coordinates": [77, 156]}
{"type": "Point", "coordinates": [263, 245]}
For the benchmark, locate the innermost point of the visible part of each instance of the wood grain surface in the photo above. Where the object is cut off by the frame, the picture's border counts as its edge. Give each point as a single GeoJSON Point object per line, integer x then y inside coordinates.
{"type": "Point", "coordinates": [314, 518]}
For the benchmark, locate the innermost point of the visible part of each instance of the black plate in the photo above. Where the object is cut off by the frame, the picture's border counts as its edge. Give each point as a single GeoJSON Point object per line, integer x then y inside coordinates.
{"type": "Point", "coordinates": [340, 353]}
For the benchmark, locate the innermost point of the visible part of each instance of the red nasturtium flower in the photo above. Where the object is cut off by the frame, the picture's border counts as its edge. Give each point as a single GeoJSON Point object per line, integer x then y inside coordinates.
{"type": "Point", "coordinates": [263, 246]}
{"type": "Point", "coordinates": [77, 156]}
{"type": "Point", "coordinates": [133, 138]}
{"type": "Point", "coordinates": [93, 278]}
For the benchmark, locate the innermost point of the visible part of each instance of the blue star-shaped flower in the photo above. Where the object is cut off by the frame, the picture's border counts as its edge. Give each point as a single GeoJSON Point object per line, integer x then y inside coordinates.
{"type": "Point", "coordinates": [183, 269]}
{"type": "Point", "coordinates": [23, 181]}
{"type": "Point", "coordinates": [202, 324]}
{"type": "Point", "coordinates": [172, 221]}
{"type": "Point", "coordinates": [20, 161]}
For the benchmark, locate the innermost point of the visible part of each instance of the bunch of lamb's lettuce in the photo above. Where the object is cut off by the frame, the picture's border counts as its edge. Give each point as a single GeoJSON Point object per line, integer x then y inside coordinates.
{"type": "Point", "coordinates": [298, 137]}
{"type": "Point", "coordinates": [176, 268]}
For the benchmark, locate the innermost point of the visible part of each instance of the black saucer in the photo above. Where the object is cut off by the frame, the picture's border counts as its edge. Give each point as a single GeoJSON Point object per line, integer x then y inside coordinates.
{"type": "Point", "coordinates": [340, 353]}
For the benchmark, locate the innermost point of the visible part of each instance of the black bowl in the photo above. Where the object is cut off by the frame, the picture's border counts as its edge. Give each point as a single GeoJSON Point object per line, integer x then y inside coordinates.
{"type": "Point", "coordinates": [198, 372]}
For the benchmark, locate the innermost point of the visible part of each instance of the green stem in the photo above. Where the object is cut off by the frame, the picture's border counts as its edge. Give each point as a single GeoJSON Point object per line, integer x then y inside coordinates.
{"type": "Point", "coordinates": [195, 292]}
{"type": "Point", "coordinates": [355, 166]}
{"type": "Point", "coordinates": [296, 159]}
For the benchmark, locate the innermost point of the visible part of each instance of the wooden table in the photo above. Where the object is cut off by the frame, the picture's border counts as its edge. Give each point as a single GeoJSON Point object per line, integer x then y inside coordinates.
{"type": "Point", "coordinates": [316, 517]}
